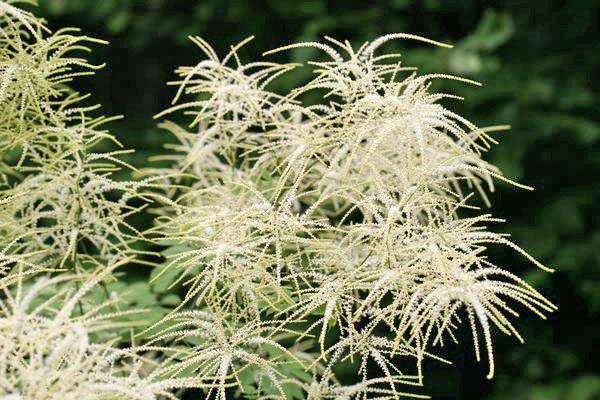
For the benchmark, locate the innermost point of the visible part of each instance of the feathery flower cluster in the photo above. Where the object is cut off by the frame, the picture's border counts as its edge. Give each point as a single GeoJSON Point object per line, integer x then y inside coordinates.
{"type": "Point", "coordinates": [330, 230]}
{"type": "Point", "coordinates": [302, 235]}
{"type": "Point", "coordinates": [65, 200]}
{"type": "Point", "coordinates": [62, 229]}
{"type": "Point", "coordinates": [47, 352]}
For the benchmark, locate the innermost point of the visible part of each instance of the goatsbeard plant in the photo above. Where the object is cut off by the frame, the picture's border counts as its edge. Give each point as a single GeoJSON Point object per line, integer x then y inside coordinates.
{"type": "Point", "coordinates": [332, 225]}
{"type": "Point", "coordinates": [306, 236]}
{"type": "Point", "coordinates": [63, 216]}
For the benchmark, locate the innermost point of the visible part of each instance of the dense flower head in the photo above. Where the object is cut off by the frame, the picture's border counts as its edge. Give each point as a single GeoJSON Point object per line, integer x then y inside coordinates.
{"type": "Point", "coordinates": [341, 219]}
{"type": "Point", "coordinates": [63, 228]}
{"type": "Point", "coordinates": [332, 224]}
{"type": "Point", "coordinates": [47, 349]}
{"type": "Point", "coordinates": [65, 201]}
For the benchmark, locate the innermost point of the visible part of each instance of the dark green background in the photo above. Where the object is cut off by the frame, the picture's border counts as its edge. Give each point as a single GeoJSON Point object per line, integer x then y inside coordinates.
{"type": "Point", "coordinates": [539, 62]}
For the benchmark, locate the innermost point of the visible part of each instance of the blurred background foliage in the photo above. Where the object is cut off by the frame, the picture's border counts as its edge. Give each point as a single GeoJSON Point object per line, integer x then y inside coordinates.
{"type": "Point", "coordinates": [538, 60]}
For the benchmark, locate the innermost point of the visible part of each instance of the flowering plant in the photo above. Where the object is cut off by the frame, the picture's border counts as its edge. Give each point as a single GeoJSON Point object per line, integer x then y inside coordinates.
{"type": "Point", "coordinates": [298, 235]}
